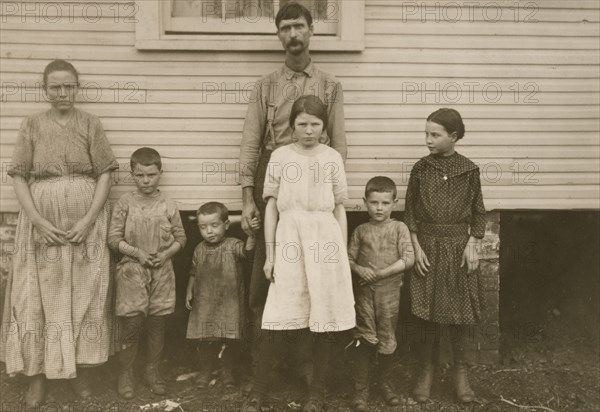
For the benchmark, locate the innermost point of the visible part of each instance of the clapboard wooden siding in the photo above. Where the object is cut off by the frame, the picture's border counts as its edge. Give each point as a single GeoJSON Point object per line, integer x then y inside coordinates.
{"type": "Point", "coordinates": [529, 92]}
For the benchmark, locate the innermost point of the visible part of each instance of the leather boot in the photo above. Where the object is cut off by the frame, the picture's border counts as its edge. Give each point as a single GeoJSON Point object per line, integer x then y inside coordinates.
{"type": "Point", "coordinates": [156, 343]}
{"type": "Point", "coordinates": [126, 385]}
{"type": "Point", "coordinates": [464, 393]}
{"type": "Point", "coordinates": [361, 352]}
{"type": "Point", "coordinates": [323, 347]}
{"type": "Point", "coordinates": [80, 384]}
{"type": "Point", "coordinates": [36, 392]}
{"type": "Point", "coordinates": [129, 330]}
{"type": "Point", "coordinates": [423, 386]}
{"type": "Point", "coordinates": [429, 335]}
{"type": "Point", "coordinates": [385, 387]}
{"type": "Point", "coordinates": [460, 336]}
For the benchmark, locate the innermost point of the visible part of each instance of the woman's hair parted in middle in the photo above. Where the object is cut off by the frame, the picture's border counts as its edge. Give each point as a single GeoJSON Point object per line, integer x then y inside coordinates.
{"type": "Point", "coordinates": [309, 104]}
{"type": "Point", "coordinates": [450, 119]}
{"type": "Point", "coordinates": [59, 65]}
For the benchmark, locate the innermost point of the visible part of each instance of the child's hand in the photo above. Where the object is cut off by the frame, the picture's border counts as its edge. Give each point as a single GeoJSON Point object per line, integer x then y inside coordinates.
{"type": "Point", "coordinates": [470, 257]}
{"type": "Point", "coordinates": [158, 259]}
{"type": "Point", "coordinates": [421, 262]}
{"type": "Point", "coordinates": [367, 275]}
{"type": "Point", "coordinates": [144, 258]}
{"type": "Point", "coordinates": [189, 295]}
{"type": "Point", "coordinates": [268, 268]}
{"type": "Point", "coordinates": [255, 223]}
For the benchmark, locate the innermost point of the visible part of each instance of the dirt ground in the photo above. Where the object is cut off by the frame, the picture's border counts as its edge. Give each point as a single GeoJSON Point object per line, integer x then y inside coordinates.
{"type": "Point", "coordinates": [550, 342]}
{"type": "Point", "coordinates": [548, 375]}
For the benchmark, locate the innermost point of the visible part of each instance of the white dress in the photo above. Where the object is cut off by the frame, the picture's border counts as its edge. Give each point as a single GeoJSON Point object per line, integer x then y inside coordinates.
{"type": "Point", "coordinates": [313, 284]}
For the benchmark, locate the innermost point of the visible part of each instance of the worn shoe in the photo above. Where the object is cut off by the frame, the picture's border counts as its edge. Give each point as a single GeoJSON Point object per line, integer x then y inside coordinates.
{"type": "Point", "coordinates": [125, 384]}
{"type": "Point", "coordinates": [252, 403]}
{"type": "Point", "coordinates": [81, 384]}
{"type": "Point", "coordinates": [154, 380]}
{"type": "Point", "coordinates": [360, 400]}
{"type": "Point", "coordinates": [388, 393]}
{"type": "Point", "coordinates": [464, 393]}
{"type": "Point", "coordinates": [36, 393]}
{"type": "Point", "coordinates": [423, 387]}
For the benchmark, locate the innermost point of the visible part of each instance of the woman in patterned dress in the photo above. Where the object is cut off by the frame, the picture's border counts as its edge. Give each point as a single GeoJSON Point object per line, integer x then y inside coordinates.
{"type": "Point", "coordinates": [446, 218]}
{"type": "Point", "coordinates": [56, 315]}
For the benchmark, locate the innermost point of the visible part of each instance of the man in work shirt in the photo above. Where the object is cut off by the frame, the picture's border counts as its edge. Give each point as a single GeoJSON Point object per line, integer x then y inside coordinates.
{"type": "Point", "coordinates": [267, 128]}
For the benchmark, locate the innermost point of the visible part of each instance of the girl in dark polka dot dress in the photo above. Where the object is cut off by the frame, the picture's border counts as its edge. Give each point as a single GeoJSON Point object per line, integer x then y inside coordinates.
{"type": "Point", "coordinates": [446, 218]}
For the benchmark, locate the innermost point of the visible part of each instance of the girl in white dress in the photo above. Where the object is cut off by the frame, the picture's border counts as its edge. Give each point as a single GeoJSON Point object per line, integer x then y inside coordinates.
{"type": "Point", "coordinates": [307, 260]}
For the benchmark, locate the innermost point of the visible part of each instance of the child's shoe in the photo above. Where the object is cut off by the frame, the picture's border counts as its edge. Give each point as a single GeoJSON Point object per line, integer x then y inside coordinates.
{"type": "Point", "coordinates": [423, 386]}
{"type": "Point", "coordinates": [360, 399]}
{"type": "Point", "coordinates": [464, 393]}
{"type": "Point", "coordinates": [154, 380]}
{"type": "Point", "coordinates": [126, 385]}
{"type": "Point", "coordinates": [388, 393]}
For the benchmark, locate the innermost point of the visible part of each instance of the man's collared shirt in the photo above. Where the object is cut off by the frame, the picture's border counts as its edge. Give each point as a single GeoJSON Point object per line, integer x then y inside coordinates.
{"type": "Point", "coordinates": [280, 89]}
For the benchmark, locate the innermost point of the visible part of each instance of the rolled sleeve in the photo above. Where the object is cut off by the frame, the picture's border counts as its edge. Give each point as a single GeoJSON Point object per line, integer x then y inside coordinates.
{"type": "Point", "coordinates": [116, 231]}
{"type": "Point", "coordinates": [252, 135]}
{"type": "Point", "coordinates": [336, 129]}
{"type": "Point", "coordinates": [405, 246]}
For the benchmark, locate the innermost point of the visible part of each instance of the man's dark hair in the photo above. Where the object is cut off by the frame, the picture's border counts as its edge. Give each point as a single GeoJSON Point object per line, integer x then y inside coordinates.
{"type": "Point", "coordinates": [291, 11]}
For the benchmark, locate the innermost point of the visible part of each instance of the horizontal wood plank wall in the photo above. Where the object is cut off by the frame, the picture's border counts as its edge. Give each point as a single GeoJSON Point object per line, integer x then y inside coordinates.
{"type": "Point", "coordinates": [523, 74]}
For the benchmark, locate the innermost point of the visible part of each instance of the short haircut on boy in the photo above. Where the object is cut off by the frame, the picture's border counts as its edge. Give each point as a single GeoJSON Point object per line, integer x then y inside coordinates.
{"type": "Point", "coordinates": [214, 207]}
{"type": "Point", "coordinates": [381, 184]}
{"type": "Point", "coordinates": [145, 156]}
{"type": "Point", "coordinates": [292, 11]}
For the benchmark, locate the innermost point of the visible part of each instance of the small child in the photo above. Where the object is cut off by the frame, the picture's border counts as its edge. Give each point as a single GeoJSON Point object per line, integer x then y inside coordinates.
{"type": "Point", "coordinates": [446, 218]}
{"type": "Point", "coordinates": [380, 251]}
{"type": "Point", "coordinates": [215, 292]}
{"type": "Point", "coordinates": [146, 228]}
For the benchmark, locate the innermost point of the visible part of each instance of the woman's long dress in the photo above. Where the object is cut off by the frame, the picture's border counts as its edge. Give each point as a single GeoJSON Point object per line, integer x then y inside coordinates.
{"type": "Point", "coordinates": [57, 307]}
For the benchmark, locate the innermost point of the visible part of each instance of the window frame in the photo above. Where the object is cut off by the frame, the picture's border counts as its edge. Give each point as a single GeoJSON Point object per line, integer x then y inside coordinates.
{"type": "Point", "coordinates": [150, 33]}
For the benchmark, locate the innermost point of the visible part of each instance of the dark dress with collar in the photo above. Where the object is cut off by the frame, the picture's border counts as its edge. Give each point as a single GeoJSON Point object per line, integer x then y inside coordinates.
{"type": "Point", "coordinates": [444, 205]}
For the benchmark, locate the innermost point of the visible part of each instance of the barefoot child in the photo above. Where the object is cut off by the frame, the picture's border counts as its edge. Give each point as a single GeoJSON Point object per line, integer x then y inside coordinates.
{"type": "Point", "coordinates": [306, 236]}
{"type": "Point", "coordinates": [446, 218]}
{"type": "Point", "coordinates": [146, 229]}
{"type": "Point", "coordinates": [215, 292]}
{"type": "Point", "coordinates": [380, 252]}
